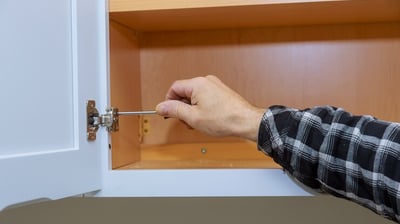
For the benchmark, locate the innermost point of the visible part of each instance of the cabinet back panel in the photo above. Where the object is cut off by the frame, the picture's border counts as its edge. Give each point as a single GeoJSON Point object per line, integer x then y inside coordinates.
{"type": "Point", "coordinates": [353, 66]}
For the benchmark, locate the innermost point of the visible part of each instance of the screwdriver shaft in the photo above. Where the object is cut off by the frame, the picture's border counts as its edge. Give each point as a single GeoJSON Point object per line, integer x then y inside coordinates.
{"type": "Point", "coordinates": [138, 112]}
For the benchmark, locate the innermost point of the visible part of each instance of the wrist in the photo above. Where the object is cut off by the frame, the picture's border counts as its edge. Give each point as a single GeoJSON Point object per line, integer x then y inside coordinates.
{"type": "Point", "coordinates": [250, 123]}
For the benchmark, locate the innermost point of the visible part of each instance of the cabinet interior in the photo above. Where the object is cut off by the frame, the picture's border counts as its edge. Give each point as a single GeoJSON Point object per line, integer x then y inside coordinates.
{"type": "Point", "coordinates": [298, 54]}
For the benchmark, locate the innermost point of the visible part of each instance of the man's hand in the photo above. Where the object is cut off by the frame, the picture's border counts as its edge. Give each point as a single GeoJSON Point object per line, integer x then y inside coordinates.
{"type": "Point", "coordinates": [208, 105]}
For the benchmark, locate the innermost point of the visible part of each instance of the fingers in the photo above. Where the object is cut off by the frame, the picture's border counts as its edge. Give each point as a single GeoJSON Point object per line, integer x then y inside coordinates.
{"type": "Point", "coordinates": [183, 89]}
{"type": "Point", "coordinates": [210, 106]}
{"type": "Point", "coordinates": [175, 109]}
{"type": "Point", "coordinates": [183, 95]}
{"type": "Point", "coordinates": [180, 90]}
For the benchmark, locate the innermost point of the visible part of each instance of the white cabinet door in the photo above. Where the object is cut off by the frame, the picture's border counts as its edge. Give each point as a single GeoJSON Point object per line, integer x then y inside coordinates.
{"type": "Point", "coordinates": [51, 62]}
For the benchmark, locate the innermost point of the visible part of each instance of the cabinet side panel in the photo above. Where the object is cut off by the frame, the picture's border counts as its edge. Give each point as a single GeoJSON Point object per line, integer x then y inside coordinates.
{"type": "Point", "coordinates": [125, 93]}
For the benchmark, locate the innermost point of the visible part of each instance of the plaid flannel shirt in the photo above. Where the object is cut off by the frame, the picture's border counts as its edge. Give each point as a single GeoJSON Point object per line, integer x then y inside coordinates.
{"type": "Point", "coordinates": [327, 148]}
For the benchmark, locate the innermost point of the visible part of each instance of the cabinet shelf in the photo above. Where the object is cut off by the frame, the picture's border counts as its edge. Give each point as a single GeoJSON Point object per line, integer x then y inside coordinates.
{"type": "Point", "coordinates": [148, 5]}
{"type": "Point", "coordinates": [222, 14]}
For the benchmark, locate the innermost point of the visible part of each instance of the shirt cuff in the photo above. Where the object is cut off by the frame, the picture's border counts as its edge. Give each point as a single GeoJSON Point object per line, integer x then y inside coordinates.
{"type": "Point", "coordinates": [269, 140]}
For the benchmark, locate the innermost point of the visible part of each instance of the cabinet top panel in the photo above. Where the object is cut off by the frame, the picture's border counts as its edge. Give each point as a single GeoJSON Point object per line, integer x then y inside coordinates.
{"type": "Point", "coordinates": [151, 15]}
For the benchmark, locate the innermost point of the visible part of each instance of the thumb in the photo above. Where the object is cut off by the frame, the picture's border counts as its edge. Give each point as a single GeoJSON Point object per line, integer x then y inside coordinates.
{"type": "Point", "coordinates": [174, 108]}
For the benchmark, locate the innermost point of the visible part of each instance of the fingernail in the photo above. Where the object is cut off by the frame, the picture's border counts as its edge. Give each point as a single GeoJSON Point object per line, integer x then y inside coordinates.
{"type": "Point", "coordinates": [162, 109]}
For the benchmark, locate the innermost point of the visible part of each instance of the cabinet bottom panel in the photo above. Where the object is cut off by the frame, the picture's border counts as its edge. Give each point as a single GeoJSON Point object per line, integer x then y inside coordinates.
{"type": "Point", "coordinates": [202, 155]}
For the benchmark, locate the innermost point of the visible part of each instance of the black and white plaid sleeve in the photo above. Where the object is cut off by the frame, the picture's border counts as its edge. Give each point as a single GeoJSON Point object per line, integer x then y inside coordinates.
{"type": "Point", "coordinates": [327, 148]}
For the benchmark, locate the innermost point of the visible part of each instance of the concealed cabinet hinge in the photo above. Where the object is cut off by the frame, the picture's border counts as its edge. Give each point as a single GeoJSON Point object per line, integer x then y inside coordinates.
{"type": "Point", "coordinates": [110, 120]}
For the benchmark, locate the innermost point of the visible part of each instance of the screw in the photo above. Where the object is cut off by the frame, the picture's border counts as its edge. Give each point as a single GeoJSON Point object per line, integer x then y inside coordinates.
{"type": "Point", "coordinates": [203, 150]}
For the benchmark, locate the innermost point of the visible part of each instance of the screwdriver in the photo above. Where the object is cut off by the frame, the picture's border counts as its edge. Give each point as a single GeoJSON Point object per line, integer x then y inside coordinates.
{"type": "Point", "coordinates": [145, 112]}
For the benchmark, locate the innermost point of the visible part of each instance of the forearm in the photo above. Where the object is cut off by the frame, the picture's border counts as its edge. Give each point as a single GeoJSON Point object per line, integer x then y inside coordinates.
{"type": "Point", "coordinates": [327, 148]}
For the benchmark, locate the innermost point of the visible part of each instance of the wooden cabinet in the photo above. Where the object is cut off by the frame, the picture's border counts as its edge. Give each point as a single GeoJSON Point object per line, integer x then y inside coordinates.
{"type": "Point", "coordinates": [295, 53]}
